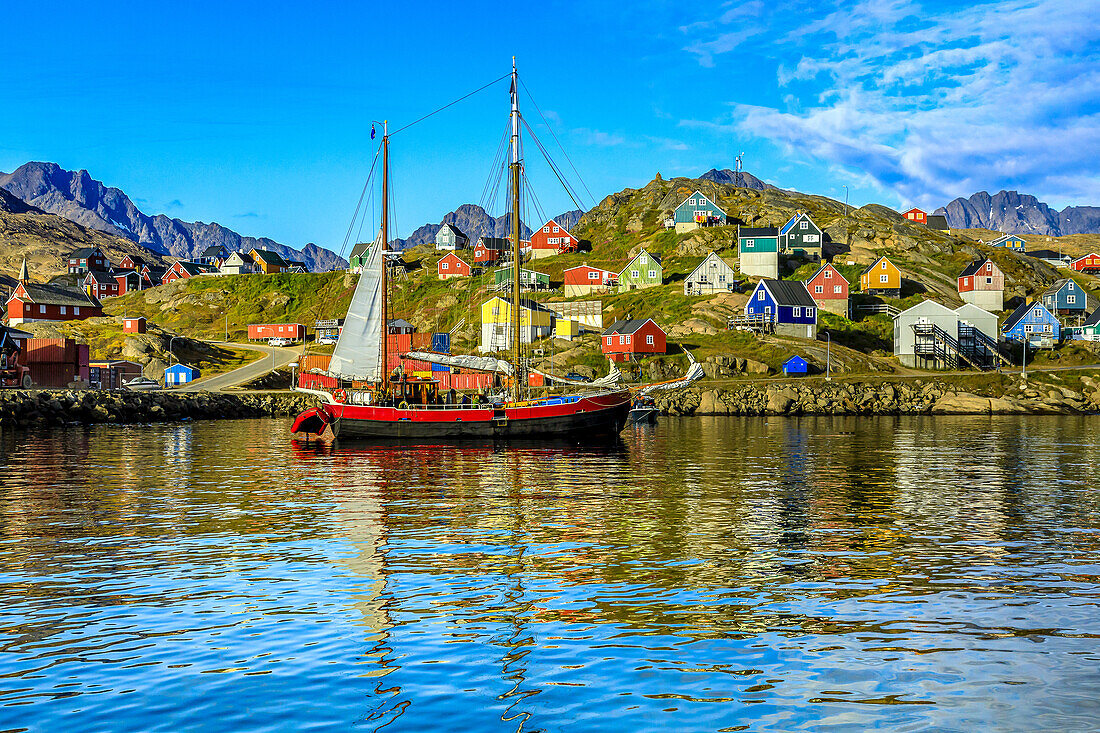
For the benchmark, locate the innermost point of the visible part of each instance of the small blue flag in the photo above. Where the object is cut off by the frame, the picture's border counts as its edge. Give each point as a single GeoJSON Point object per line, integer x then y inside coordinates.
{"type": "Point", "coordinates": [372, 132]}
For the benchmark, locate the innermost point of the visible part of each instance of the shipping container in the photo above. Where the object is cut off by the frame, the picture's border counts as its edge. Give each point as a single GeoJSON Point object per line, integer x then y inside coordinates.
{"type": "Point", "coordinates": [441, 343]}
{"type": "Point", "coordinates": [316, 381]}
{"type": "Point", "coordinates": [50, 351]}
{"type": "Point", "coordinates": [438, 368]}
{"type": "Point", "coordinates": [314, 361]}
{"type": "Point", "coordinates": [52, 375]}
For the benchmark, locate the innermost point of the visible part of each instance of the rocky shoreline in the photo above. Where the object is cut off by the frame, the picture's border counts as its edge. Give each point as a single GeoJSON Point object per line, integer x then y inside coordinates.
{"type": "Point", "coordinates": [27, 408]}
{"type": "Point", "coordinates": [917, 397]}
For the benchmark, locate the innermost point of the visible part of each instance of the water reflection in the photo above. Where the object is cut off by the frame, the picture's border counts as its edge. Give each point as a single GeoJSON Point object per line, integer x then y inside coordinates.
{"type": "Point", "coordinates": [710, 573]}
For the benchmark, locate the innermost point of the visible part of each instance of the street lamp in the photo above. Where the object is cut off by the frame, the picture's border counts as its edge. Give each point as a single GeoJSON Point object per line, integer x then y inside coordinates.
{"type": "Point", "coordinates": [171, 341]}
{"type": "Point", "coordinates": [845, 202]}
{"type": "Point", "coordinates": [828, 355]}
{"type": "Point", "coordinates": [272, 329]}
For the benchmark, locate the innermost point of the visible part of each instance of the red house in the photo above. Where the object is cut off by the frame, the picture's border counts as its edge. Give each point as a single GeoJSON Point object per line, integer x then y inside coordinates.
{"type": "Point", "coordinates": [100, 284]}
{"type": "Point", "coordinates": [585, 279]}
{"type": "Point", "coordinates": [129, 281]}
{"type": "Point", "coordinates": [490, 249]}
{"type": "Point", "coordinates": [134, 325]}
{"type": "Point", "coordinates": [131, 262]}
{"type": "Point", "coordinates": [552, 239]}
{"type": "Point", "coordinates": [88, 258]}
{"type": "Point", "coordinates": [31, 302]}
{"type": "Point", "coordinates": [916, 216]}
{"type": "Point", "coordinates": [152, 276]}
{"type": "Point", "coordinates": [829, 289]}
{"type": "Point", "coordinates": [1089, 263]}
{"type": "Point", "coordinates": [182, 270]}
{"type": "Point", "coordinates": [451, 265]}
{"type": "Point", "coordinates": [625, 340]}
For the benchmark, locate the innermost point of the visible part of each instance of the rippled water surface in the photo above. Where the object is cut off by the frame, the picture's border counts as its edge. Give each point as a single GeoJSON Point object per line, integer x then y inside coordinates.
{"type": "Point", "coordinates": [706, 574]}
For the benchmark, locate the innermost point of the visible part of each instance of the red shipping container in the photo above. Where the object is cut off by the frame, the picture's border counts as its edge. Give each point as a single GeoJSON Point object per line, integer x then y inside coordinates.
{"type": "Point", "coordinates": [314, 361]}
{"type": "Point", "coordinates": [50, 351]}
{"type": "Point", "coordinates": [52, 375]}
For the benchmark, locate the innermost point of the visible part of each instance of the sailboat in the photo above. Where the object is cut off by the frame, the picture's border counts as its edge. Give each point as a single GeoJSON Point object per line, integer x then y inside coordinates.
{"type": "Point", "coordinates": [372, 402]}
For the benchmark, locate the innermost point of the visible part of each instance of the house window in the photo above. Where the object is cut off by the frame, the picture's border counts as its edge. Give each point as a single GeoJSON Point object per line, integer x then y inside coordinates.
{"type": "Point", "coordinates": [883, 266]}
{"type": "Point", "coordinates": [546, 230]}
{"type": "Point", "coordinates": [796, 312]}
{"type": "Point", "coordinates": [653, 273]}
{"type": "Point", "coordinates": [760, 295]}
{"type": "Point", "coordinates": [1048, 328]}
{"type": "Point", "coordinates": [1069, 286]}
{"type": "Point", "coordinates": [649, 339]}
{"type": "Point", "coordinates": [804, 225]}
{"type": "Point", "coordinates": [721, 278]}
{"type": "Point", "coordinates": [809, 312]}
{"type": "Point", "coordinates": [634, 273]}
{"type": "Point", "coordinates": [622, 339]}
{"type": "Point", "coordinates": [819, 289]}
{"type": "Point", "coordinates": [41, 309]}
{"type": "Point", "coordinates": [691, 202]}
{"type": "Point", "coordinates": [883, 278]}
{"type": "Point", "coordinates": [609, 340]}
{"type": "Point", "coordinates": [593, 276]}
{"type": "Point", "coordinates": [837, 289]}
{"type": "Point", "coordinates": [828, 274]}
{"type": "Point", "coordinates": [642, 260]}
{"type": "Point", "coordinates": [64, 310]}
{"type": "Point", "coordinates": [446, 265]}
{"type": "Point", "coordinates": [989, 281]}
{"type": "Point", "coordinates": [1071, 299]}
{"type": "Point", "coordinates": [1038, 313]}
{"type": "Point", "coordinates": [749, 242]}
{"type": "Point", "coordinates": [556, 230]}
{"type": "Point", "coordinates": [496, 310]}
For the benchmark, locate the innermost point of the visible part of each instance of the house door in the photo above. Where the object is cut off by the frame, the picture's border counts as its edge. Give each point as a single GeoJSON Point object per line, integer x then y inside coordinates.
{"type": "Point", "coordinates": [768, 312]}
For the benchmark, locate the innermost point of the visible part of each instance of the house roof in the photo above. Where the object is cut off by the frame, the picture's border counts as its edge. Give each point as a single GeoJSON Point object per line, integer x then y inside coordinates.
{"type": "Point", "coordinates": [1017, 315]}
{"type": "Point", "coordinates": [214, 250]}
{"type": "Point", "coordinates": [938, 221]}
{"type": "Point", "coordinates": [825, 266]}
{"type": "Point", "coordinates": [1085, 257]}
{"type": "Point", "coordinates": [973, 267]}
{"type": "Point", "coordinates": [880, 259]}
{"type": "Point", "coordinates": [711, 256]}
{"type": "Point", "coordinates": [925, 307]}
{"type": "Point", "coordinates": [400, 323]}
{"type": "Point", "coordinates": [1058, 285]}
{"type": "Point", "coordinates": [794, 220]}
{"type": "Point", "coordinates": [627, 327]}
{"type": "Point", "coordinates": [360, 249]}
{"type": "Point", "coordinates": [1045, 254]}
{"type": "Point", "coordinates": [1005, 237]}
{"type": "Point", "coordinates": [194, 268]}
{"type": "Point", "coordinates": [83, 253]}
{"type": "Point", "coordinates": [915, 208]}
{"type": "Point", "coordinates": [135, 259]}
{"type": "Point", "coordinates": [788, 292]}
{"type": "Point", "coordinates": [156, 273]}
{"type": "Point", "coordinates": [100, 276]}
{"type": "Point", "coordinates": [757, 232]}
{"type": "Point", "coordinates": [453, 256]}
{"type": "Point", "coordinates": [532, 305]}
{"type": "Point", "coordinates": [127, 274]}
{"type": "Point", "coordinates": [58, 295]}
{"type": "Point", "coordinates": [454, 230]}
{"type": "Point", "coordinates": [655, 257]}
{"type": "Point", "coordinates": [497, 243]}
{"type": "Point", "coordinates": [696, 194]}
{"type": "Point", "coordinates": [1093, 319]}
{"type": "Point", "coordinates": [269, 257]}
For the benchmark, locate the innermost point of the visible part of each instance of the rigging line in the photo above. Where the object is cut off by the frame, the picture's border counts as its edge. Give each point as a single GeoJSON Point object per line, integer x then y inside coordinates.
{"type": "Point", "coordinates": [485, 190]}
{"type": "Point", "coordinates": [560, 147]}
{"type": "Point", "coordinates": [450, 104]}
{"type": "Point", "coordinates": [351, 226]}
{"type": "Point", "coordinates": [534, 199]}
{"type": "Point", "coordinates": [554, 168]}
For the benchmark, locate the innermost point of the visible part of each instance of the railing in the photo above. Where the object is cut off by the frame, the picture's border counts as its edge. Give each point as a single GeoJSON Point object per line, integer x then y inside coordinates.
{"type": "Point", "coordinates": [878, 308]}
{"type": "Point", "coordinates": [981, 345]}
{"type": "Point", "coordinates": [951, 350]}
{"type": "Point", "coordinates": [754, 322]}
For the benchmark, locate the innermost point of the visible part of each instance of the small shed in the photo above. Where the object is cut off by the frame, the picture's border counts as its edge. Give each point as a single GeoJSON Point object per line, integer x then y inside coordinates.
{"type": "Point", "coordinates": [180, 374]}
{"type": "Point", "coordinates": [133, 325]}
{"type": "Point", "coordinates": [795, 365]}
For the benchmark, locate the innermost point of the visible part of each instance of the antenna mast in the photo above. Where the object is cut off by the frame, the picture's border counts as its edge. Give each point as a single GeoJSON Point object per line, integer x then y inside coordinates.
{"type": "Point", "coordinates": [384, 371]}
{"type": "Point", "coordinates": [519, 375]}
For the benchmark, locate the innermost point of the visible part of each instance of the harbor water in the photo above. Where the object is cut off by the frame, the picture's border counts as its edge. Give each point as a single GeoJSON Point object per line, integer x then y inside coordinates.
{"type": "Point", "coordinates": [704, 574]}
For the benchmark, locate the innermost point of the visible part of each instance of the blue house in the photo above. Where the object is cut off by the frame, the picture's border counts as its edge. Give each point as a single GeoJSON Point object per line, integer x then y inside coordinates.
{"type": "Point", "coordinates": [1033, 322]}
{"type": "Point", "coordinates": [180, 374]}
{"type": "Point", "coordinates": [1065, 297]}
{"type": "Point", "coordinates": [697, 211]}
{"type": "Point", "coordinates": [787, 305]}
{"type": "Point", "coordinates": [795, 365]}
{"type": "Point", "coordinates": [1009, 241]}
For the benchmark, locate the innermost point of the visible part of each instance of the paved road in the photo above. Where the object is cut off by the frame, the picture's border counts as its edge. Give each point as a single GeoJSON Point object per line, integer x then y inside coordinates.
{"type": "Point", "coordinates": [246, 373]}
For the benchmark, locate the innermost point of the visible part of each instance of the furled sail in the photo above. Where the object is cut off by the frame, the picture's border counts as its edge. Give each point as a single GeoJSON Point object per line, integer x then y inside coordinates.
{"type": "Point", "coordinates": [358, 353]}
{"type": "Point", "coordinates": [694, 373]}
{"type": "Point", "coordinates": [465, 361]}
{"type": "Point", "coordinates": [613, 377]}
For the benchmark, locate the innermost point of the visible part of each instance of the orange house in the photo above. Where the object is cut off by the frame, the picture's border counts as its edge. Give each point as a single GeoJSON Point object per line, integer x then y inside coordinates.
{"type": "Point", "coordinates": [269, 262]}
{"type": "Point", "coordinates": [1089, 263]}
{"type": "Point", "coordinates": [881, 278]}
{"type": "Point", "coordinates": [916, 216]}
{"type": "Point", "coordinates": [829, 289]}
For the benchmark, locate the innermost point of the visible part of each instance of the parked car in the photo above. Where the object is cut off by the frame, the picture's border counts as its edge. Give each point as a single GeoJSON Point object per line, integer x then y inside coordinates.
{"type": "Point", "coordinates": [278, 341]}
{"type": "Point", "coordinates": [328, 338]}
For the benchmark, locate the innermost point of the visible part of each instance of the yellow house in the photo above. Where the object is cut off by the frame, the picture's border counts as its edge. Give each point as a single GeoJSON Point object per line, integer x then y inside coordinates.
{"type": "Point", "coordinates": [269, 262]}
{"type": "Point", "coordinates": [881, 278]}
{"type": "Point", "coordinates": [535, 321]}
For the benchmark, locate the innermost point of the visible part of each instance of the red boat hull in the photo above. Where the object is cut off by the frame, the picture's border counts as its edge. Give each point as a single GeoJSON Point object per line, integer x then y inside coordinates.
{"type": "Point", "coordinates": [583, 417]}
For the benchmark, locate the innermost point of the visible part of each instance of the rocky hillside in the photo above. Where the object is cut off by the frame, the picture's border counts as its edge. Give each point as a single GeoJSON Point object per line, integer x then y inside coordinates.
{"type": "Point", "coordinates": [46, 240]}
{"type": "Point", "coordinates": [1016, 213]}
{"type": "Point", "coordinates": [76, 196]}
{"type": "Point", "coordinates": [474, 222]}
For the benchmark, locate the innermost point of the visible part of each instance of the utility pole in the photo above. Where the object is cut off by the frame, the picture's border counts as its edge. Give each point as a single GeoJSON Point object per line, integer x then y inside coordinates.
{"type": "Point", "coordinates": [1023, 368]}
{"type": "Point", "coordinates": [828, 356]}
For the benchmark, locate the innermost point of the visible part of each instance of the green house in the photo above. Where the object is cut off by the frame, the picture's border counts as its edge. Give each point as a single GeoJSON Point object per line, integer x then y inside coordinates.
{"type": "Point", "coordinates": [527, 278]}
{"type": "Point", "coordinates": [644, 271]}
{"type": "Point", "coordinates": [359, 255]}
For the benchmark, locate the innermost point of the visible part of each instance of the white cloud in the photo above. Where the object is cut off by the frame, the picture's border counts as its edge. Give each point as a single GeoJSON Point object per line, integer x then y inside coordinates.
{"type": "Point", "coordinates": [937, 104]}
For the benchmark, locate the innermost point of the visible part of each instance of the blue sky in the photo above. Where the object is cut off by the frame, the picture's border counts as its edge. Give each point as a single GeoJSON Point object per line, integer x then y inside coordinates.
{"type": "Point", "coordinates": [257, 115]}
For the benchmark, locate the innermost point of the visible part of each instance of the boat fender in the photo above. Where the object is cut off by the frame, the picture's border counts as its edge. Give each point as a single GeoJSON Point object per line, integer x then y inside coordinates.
{"type": "Point", "coordinates": [340, 396]}
{"type": "Point", "coordinates": [403, 406]}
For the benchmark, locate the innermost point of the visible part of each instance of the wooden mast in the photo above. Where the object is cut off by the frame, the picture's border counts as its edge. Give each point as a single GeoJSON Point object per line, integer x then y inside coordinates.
{"type": "Point", "coordinates": [519, 376]}
{"type": "Point", "coordinates": [384, 370]}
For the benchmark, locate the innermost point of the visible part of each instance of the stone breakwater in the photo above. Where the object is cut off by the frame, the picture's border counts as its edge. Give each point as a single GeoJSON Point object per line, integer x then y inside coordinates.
{"type": "Point", "coordinates": [24, 408]}
{"type": "Point", "coordinates": [886, 398]}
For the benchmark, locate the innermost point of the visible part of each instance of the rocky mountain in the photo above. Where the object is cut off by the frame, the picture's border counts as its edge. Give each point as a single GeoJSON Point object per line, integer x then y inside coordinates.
{"type": "Point", "coordinates": [726, 177]}
{"type": "Point", "coordinates": [76, 196]}
{"type": "Point", "coordinates": [1016, 213]}
{"type": "Point", "coordinates": [474, 222]}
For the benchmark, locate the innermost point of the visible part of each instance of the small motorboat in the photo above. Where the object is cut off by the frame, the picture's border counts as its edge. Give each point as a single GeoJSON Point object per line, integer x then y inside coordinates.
{"type": "Point", "coordinates": [142, 384]}
{"type": "Point", "coordinates": [643, 411]}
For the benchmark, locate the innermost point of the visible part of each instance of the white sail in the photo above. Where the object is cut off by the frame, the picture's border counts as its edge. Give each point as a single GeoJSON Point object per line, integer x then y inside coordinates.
{"type": "Point", "coordinates": [465, 361]}
{"type": "Point", "coordinates": [358, 353]}
{"type": "Point", "coordinates": [613, 377]}
{"type": "Point", "coordinates": [694, 373]}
